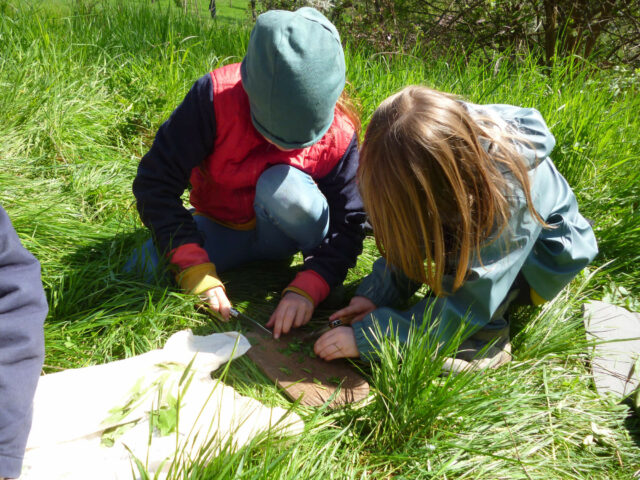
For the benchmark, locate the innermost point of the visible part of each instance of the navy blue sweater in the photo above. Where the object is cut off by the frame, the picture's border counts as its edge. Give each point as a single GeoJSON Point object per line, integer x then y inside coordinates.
{"type": "Point", "coordinates": [23, 308]}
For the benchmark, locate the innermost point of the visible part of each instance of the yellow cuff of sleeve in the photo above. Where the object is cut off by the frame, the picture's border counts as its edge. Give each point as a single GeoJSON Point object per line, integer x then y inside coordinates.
{"type": "Point", "coordinates": [536, 299]}
{"type": "Point", "coordinates": [199, 278]}
{"type": "Point", "coordinates": [299, 292]}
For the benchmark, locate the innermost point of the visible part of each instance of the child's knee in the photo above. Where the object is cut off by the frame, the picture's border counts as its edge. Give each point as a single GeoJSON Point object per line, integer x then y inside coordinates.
{"type": "Point", "coordinates": [290, 197]}
{"type": "Point", "coordinates": [271, 180]}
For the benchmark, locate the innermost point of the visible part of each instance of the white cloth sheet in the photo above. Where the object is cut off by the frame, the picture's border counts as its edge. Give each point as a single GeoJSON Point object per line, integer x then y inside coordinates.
{"type": "Point", "coordinates": [74, 408]}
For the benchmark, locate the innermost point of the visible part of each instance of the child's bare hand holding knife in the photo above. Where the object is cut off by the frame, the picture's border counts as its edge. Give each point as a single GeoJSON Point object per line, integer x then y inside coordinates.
{"type": "Point", "coordinates": [340, 341]}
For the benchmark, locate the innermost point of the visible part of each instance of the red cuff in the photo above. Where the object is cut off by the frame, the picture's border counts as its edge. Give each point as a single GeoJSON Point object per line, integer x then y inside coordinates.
{"type": "Point", "coordinates": [313, 284]}
{"type": "Point", "coordinates": [188, 255]}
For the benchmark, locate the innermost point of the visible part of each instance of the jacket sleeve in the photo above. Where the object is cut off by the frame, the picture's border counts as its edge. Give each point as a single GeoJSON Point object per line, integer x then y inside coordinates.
{"type": "Point", "coordinates": [23, 308]}
{"type": "Point", "coordinates": [565, 248]}
{"type": "Point", "coordinates": [181, 144]}
{"type": "Point", "coordinates": [387, 286]}
{"type": "Point", "coordinates": [560, 252]}
{"type": "Point", "coordinates": [326, 265]}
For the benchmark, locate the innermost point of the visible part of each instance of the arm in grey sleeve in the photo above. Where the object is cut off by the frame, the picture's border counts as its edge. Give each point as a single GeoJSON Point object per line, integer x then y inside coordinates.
{"type": "Point", "coordinates": [23, 308]}
{"type": "Point", "coordinates": [565, 248]}
{"type": "Point", "coordinates": [386, 286]}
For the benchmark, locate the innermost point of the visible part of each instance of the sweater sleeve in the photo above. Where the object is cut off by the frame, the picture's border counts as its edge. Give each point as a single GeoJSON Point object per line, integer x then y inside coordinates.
{"type": "Point", "coordinates": [327, 264]}
{"type": "Point", "coordinates": [181, 144]}
{"type": "Point", "coordinates": [23, 308]}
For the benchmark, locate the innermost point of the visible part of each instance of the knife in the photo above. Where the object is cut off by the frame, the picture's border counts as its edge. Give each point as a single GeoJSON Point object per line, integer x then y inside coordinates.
{"type": "Point", "coordinates": [332, 324]}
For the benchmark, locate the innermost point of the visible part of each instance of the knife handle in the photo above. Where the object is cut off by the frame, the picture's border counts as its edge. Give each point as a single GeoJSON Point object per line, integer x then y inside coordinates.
{"type": "Point", "coordinates": [338, 322]}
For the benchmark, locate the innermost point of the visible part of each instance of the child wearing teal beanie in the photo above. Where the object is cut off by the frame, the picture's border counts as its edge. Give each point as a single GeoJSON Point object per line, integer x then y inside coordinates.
{"type": "Point", "coordinates": [293, 73]}
{"type": "Point", "coordinates": [269, 147]}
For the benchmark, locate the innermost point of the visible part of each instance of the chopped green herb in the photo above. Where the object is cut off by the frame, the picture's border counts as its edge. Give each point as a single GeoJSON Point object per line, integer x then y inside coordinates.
{"type": "Point", "coordinates": [166, 420]}
{"type": "Point", "coordinates": [335, 380]}
{"type": "Point", "coordinates": [292, 347]}
{"type": "Point", "coordinates": [110, 435]}
{"type": "Point", "coordinates": [285, 370]}
{"type": "Point", "coordinates": [307, 370]}
{"type": "Point", "coordinates": [319, 383]}
{"type": "Point", "coordinates": [308, 350]}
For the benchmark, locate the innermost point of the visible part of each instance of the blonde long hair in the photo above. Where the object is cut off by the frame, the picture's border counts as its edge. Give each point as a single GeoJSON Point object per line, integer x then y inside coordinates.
{"type": "Point", "coordinates": [433, 194]}
{"type": "Point", "coordinates": [351, 109]}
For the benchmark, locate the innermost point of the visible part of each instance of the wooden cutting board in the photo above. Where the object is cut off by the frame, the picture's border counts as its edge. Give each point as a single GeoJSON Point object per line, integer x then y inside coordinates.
{"type": "Point", "coordinates": [291, 364]}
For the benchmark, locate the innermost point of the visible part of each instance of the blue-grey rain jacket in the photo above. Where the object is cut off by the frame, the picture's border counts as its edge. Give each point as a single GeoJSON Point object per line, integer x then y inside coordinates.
{"type": "Point", "coordinates": [548, 258]}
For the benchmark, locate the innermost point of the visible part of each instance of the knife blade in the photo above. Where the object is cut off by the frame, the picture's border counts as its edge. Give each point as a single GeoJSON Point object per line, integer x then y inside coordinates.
{"type": "Point", "coordinates": [235, 314]}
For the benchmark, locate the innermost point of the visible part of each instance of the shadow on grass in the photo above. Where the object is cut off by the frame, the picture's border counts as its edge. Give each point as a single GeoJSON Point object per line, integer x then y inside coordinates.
{"type": "Point", "coordinates": [519, 317]}
{"type": "Point", "coordinates": [632, 422]}
{"type": "Point", "coordinates": [111, 314]}
{"type": "Point", "coordinates": [92, 277]}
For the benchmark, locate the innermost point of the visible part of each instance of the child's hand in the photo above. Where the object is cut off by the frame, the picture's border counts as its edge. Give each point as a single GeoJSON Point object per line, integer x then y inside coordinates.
{"type": "Point", "coordinates": [293, 311]}
{"type": "Point", "coordinates": [339, 342]}
{"type": "Point", "coordinates": [356, 310]}
{"type": "Point", "coordinates": [217, 300]}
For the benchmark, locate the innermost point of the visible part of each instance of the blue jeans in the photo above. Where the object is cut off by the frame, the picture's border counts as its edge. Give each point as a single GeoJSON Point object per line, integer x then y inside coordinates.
{"type": "Point", "coordinates": [291, 215]}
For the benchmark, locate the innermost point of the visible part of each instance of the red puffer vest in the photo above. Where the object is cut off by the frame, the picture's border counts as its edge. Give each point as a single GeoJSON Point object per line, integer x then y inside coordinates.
{"type": "Point", "coordinates": [223, 187]}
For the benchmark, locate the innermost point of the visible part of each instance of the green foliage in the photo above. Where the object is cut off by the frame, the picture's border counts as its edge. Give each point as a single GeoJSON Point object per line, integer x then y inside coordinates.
{"type": "Point", "coordinates": [608, 30]}
{"type": "Point", "coordinates": [410, 395]}
{"type": "Point", "coordinates": [83, 88]}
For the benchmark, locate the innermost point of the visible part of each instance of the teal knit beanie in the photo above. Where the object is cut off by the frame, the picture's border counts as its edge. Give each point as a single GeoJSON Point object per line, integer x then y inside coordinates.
{"type": "Point", "coordinates": [293, 73]}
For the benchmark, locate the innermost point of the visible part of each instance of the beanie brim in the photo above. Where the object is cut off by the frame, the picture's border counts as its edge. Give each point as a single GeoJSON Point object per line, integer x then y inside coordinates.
{"type": "Point", "coordinates": [287, 144]}
{"type": "Point", "coordinates": [281, 142]}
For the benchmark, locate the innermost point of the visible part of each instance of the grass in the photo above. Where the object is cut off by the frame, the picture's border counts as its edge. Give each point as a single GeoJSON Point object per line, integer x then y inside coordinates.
{"type": "Point", "coordinates": [83, 88]}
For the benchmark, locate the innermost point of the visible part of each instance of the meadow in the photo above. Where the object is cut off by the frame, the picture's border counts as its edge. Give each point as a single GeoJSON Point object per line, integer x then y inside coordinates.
{"type": "Point", "coordinates": [84, 85]}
